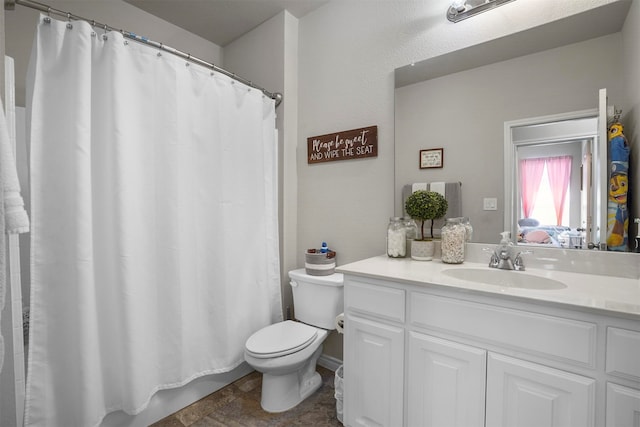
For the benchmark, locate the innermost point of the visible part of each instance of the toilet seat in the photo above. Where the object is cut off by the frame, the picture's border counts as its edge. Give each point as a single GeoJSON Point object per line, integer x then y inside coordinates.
{"type": "Point", "coordinates": [280, 339]}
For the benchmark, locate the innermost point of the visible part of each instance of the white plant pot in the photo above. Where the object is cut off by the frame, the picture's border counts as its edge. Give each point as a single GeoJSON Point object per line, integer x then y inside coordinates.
{"type": "Point", "coordinates": [422, 250]}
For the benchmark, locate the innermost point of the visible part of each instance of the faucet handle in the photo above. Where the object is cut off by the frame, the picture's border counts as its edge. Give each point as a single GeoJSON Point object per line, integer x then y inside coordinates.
{"type": "Point", "coordinates": [518, 263]}
{"type": "Point", "coordinates": [494, 261]}
{"type": "Point", "coordinates": [597, 246]}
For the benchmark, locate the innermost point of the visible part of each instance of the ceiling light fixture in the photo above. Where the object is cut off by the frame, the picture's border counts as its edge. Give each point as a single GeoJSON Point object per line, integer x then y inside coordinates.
{"type": "Point", "coordinates": [463, 9]}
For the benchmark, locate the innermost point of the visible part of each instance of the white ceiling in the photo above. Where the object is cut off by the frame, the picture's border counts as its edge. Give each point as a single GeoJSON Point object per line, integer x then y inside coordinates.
{"type": "Point", "coordinates": [222, 21]}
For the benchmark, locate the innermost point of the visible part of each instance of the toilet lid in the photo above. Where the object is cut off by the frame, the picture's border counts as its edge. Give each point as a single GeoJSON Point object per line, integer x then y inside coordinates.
{"type": "Point", "coordinates": [280, 339]}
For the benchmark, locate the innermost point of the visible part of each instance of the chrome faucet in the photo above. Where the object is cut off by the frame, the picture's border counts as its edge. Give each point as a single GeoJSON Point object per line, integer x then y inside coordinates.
{"type": "Point", "coordinates": [504, 260]}
{"type": "Point", "coordinates": [501, 259]}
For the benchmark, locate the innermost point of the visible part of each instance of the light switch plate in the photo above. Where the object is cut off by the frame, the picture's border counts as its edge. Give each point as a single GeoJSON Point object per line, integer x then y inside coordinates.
{"type": "Point", "coordinates": [490, 204]}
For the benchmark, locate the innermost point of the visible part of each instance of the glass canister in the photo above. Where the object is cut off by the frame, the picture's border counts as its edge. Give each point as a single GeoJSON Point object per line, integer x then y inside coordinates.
{"type": "Point", "coordinates": [469, 229]}
{"type": "Point", "coordinates": [454, 236]}
{"type": "Point", "coordinates": [411, 230]}
{"type": "Point", "coordinates": [396, 238]}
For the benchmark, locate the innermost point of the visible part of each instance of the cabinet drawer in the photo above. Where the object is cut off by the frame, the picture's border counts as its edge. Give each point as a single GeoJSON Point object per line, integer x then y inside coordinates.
{"type": "Point", "coordinates": [379, 301]}
{"type": "Point", "coordinates": [549, 336]}
{"type": "Point", "coordinates": [623, 353]}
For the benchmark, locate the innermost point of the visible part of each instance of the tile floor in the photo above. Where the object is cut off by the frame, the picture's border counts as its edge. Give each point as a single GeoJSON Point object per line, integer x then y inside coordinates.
{"type": "Point", "coordinates": [238, 405]}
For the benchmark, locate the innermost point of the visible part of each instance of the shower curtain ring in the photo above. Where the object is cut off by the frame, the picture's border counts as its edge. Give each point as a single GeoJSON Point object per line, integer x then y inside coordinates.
{"type": "Point", "coordinates": [160, 50]}
{"type": "Point", "coordinates": [69, 24]}
{"type": "Point", "coordinates": [104, 36]}
{"type": "Point", "coordinates": [47, 19]}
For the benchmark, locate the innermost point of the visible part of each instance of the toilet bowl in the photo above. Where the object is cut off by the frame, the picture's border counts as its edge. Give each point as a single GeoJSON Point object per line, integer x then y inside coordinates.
{"type": "Point", "coordinates": [286, 352]}
{"type": "Point", "coordinates": [290, 376]}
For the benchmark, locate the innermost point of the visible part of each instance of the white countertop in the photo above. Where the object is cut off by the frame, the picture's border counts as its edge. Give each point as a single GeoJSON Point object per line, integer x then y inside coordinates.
{"type": "Point", "coordinates": [591, 291]}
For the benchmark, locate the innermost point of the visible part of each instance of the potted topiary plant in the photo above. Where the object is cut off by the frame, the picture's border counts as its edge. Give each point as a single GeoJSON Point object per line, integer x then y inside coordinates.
{"type": "Point", "coordinates": [422, 206]}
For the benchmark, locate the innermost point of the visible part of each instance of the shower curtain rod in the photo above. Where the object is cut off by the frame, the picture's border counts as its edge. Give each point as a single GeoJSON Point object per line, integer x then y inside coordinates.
{"type": "Point", "coordinates": [10, 5]}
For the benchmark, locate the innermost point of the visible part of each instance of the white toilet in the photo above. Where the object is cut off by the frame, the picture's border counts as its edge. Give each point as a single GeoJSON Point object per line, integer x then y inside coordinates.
{"type": "Point", "coordinates": [286, 352]}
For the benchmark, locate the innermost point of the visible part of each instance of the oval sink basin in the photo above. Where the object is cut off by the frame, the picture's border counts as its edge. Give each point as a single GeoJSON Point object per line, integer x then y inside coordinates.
{"type": "Point", "coordinates": [504, 278]}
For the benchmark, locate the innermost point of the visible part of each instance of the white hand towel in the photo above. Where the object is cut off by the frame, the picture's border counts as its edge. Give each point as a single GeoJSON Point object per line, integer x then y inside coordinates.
{"type": "Point", "coordinates": [418, 186]}
{"type": "Point", "coordinates": [13, 217]}
{"type": "Point", "coordinates": [438, 187]}
{"type": "Point", "coordinates": [16, 219]}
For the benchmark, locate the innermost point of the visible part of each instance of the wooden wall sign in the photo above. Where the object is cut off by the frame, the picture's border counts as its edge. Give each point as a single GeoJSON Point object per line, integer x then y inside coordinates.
{"type": "Point", "coordinates": [345, 145]}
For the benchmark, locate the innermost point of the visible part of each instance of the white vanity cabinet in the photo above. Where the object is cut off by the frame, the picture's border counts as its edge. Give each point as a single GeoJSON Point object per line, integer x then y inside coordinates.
{"type": "Point", "coordinates": [623, 363]}
{"type": "Point", "coordinates": [426, 355]}
{"type": "Point", "coordinates": [374, 325]}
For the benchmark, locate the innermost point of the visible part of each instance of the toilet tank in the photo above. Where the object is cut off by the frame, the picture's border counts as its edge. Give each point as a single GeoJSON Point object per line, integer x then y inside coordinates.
{"type": "Point", "coordinates": [317, 300]}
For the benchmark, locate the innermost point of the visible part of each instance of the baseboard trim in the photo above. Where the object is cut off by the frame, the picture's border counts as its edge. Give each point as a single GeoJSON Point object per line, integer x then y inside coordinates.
{"type": "Point", "coordinates": [329, 362]}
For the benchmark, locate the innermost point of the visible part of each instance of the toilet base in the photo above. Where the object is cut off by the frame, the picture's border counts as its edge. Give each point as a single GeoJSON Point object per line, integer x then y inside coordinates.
{"type": "Point", "coordinates": [283, 392]}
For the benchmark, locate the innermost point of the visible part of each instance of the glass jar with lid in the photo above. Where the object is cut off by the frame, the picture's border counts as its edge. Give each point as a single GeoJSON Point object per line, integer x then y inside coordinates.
{"type": "Point", "coordinates": [469, 228]}
{"type": "Point", "coordinates": [454, 236]}
{"type": "Point", "coordinates": [411, 230]}
{"type": "Point", "coordinates": [396, 238]}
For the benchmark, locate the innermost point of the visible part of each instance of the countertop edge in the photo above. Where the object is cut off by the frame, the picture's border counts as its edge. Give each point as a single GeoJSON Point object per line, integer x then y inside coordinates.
{"type": "Point", "coordinates": [585, 293]}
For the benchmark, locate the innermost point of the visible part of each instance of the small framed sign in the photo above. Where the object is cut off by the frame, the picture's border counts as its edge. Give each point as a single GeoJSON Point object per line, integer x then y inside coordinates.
{"type": "Point", "coordinates": [431, 158]}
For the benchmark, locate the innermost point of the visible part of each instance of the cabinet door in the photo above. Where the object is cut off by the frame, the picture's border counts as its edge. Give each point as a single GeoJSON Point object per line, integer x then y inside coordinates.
{"type": "Point", "coordinates": [623, 406]}
{"type": "Point", "coordinates": [373, 373]}
{"type": "Point", "coordinates": [526, 394]}
{"type": "Point", "coordinates": [446, 386]}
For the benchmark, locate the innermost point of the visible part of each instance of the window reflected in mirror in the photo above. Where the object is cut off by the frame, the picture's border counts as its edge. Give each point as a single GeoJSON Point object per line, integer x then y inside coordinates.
{"type": "Point", "coordinates": [553, 189]}
{"type": "Point", "coordinates": [545, 201]}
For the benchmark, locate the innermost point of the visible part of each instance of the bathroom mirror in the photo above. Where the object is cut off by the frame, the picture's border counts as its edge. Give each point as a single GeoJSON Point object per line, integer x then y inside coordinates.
{"type": "Point", "coordinates": [463, 102]}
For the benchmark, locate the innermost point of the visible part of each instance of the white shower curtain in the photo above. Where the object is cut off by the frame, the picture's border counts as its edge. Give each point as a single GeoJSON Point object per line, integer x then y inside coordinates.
{"type": "Point", "coordinates": [154, 211]}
